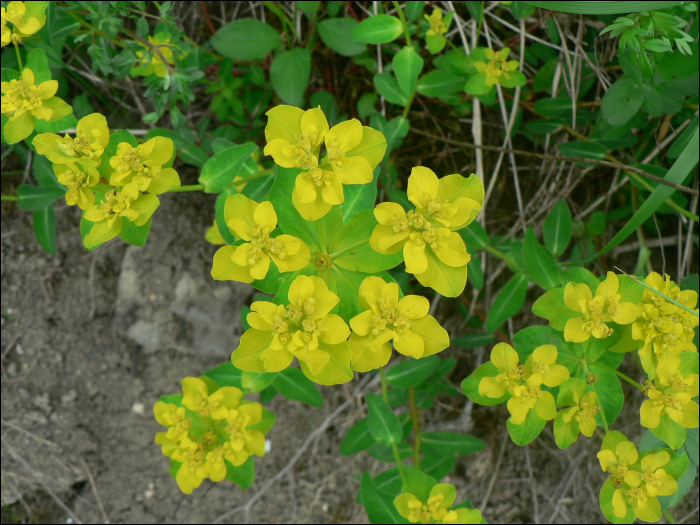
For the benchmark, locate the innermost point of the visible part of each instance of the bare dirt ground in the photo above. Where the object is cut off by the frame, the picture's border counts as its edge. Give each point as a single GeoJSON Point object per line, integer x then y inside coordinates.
{"type": "Point", "coordinates": [91, 340]}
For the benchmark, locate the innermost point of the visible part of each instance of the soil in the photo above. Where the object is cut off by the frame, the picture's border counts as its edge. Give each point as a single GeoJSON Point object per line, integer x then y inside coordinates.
{"type": "Point", "coordinates": [90, 340]}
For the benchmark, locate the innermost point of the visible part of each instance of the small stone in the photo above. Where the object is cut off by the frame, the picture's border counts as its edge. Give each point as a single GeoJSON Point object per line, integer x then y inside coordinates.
{"type": "Point", "coordinates": [19, 349]}
{"type": "Point", "coordinates": [68, 397]}
{"type": "Point", "coordinates": [150, 491]}
{"type": "Point", "coordinates": [12, 369]}
{"type": "Point", "coordinates": [36, 417]}
{"type": "Point", "coordinates": [138, 408]}
{"type": "Point", "coordinates": [42, 402]}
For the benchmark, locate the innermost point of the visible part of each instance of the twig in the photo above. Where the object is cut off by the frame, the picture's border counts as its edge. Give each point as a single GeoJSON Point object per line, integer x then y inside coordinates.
{"type": "Point", "coordinates": [532, 483]}
{"type": "Point", "coordinates": [36, 476]}
{"type": "Point", "coordinates": [16, 427]}
{"type": "Point", "coordinates": [94, 490]}
{"type": "Point", "coordinates": [485, 501]}
{"type": "Point", "coordinates": [597, 162]}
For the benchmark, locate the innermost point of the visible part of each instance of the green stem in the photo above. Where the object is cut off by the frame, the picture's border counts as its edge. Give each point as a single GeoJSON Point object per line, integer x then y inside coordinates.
{"type": "Point", "coordinates": [415, 419]}
{"type": "Point", "coordinates": [191, 187]}
{"type": "Point", "coordinates": [669, 516]}
{"type": "Point", "coordinates": [283, 18]}
{"type": "Point", "coordinates": [19, 56]}
{"type": "Point", "coordinates": [408, 105]}
{"type": "Point", "coordinates": [10, 198]}
{"type": "Point", "coordinates": [260, 174]}
{"type": "Point", "coordinates": [498, 253]}
{"type": "Point", "coordinates": [621, 376]}
{"type": "Point", "coordinates": [394, 447]}
{"type": "Point", "coordinates": [347, 249]}
{"type": "Point", "coordinates": [403, 23]}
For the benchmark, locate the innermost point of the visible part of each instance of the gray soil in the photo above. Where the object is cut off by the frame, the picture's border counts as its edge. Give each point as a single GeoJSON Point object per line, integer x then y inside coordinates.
{"type": "Point", "coordinates": [91, 340]}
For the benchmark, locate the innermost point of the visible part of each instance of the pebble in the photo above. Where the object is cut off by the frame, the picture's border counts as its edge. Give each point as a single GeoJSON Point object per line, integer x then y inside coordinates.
{"type": "Point", "coordinates": [150, 491]}
{"type": "Point", "coordinates": [42, 402]}
{"type": "Point", "coordinates": [138, 408]}
{"type": "Point", "coordinates": [68, 397]}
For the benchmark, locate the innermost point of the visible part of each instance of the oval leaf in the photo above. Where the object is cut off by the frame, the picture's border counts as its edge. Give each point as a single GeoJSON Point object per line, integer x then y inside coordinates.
{"type": "Point", "coordinates": [508, 302]}
{"type": "Point", "coordinates": [377, 29]}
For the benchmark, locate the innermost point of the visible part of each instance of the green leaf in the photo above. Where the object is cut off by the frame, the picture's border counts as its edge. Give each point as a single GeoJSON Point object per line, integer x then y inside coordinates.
{"type": "Point", "coordinates": [621, 101]}
{"type": "Point", "coordinates": [377, 29]}
{"type": "Point", "coordinates": [565, 433]}
{"type": "Point", "coordinates": [413, 372]}
{"type": "Point", "coordinates": [476, 85]}
{"type": "Point", "coordinates": [351, 244]}
{"type": "Point", "coordinates": [309, 8]}
{"type": "Point", "coordinates": [358, 197]}
{"type": "Point", "coordinates": [475, 273]}
{"type": "Point", "coordinates": [244, 475]}
{"type": "Point", "coordinates": [32, 198]}
{"type": "Point", "coordinates": [521, 9]}
{"type": "Point", "coordinates": [552, 307]}
{"type": "Point", "coordinates": [603, 8]}
{"type": "Point", "coordinates": [554, 107]}
{"type": "Point", "coordinates": [246, 39]}
{"type": "Point", "coordinates": [606, 496]}
{"type": "Point", "coordinates": [135, 235]}
{"type": "Point", "coordinates": [219, 208]}
{"type": "Point", "coordinates": [256, 381]}
{"type": "Point", "coordinates": [45, 228]}
{"type": "Point", "coordinates": [440, 443]}
{"type": "Point", "coordinates": [407, 66]}
{"type": "Point", "coordinates": [585, 150]}
{"type": "Point", "coordinates": [293, 384]}
{"type": "Point", "coordinates": [388, 87]}
{"type": "Point", "coordinates": [558, 228]}
{"type": "Point", "coordinates": [417, 483]}
{"type": "Point", "coordinates": [384, 425]}
{"type": "Point", "coordinates": [473, 341]}
{"type": "Point", "coordinates": [508, 302]}
{"type": "Point", "coordinates": [379, 505]}
{"type": "Point", "coordinates": [528, 430]}
{"type": "Point", "coordinates": [470, 385]}
{"type": "Point", "coordinates": [541, 266]}
{"type": "Point", "coordinates": [289, 74]}
{"type": "Point", "coordinates": [438, 83]}
{"type": "Point", "coordinates": [607, 386]}
{"type": "Point", "coordinates": [678, 172]}
{"type": "Point", "coordinates": [413, 10]}
{"type": "Point", "coordinates": [220, 170]}
{"type": "Point", "coordinates": [37, 62]}
{"type": "Point", "coordinates": [336, 34]}
{"type": "Point", "coordinates": [357, 439]}
{"type": "Point", "coordinates": [579, 275]}
{"type": "Point", "coordinates": [475, 236]}
{"type": "Point", "coordinates": [670, 432]}
{"type": "Point", "coordinates": [660, 102]}
{"type": "Point", "coordinates": [685, 483]}
{"type": "Point", "coordinates": [225, 375]}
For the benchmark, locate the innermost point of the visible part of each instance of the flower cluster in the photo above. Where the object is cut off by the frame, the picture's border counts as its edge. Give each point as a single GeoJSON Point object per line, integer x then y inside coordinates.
{"type": "Point", "coordinates": [151, 63]}
{"type": "Point", "coordinates": [580, 417]}
{"type": "Point", "coordinates": [23, 102]}
{"type": "Point", "coordinates": [294, 138]}
{"type": "Point", "coordinates": [250, 261]}
{"type": "Point", "coordinates": [435, 36]}
{"type": "Point", "coordinates": [303, 328]}
{"type": "Point", "coordinates": [432, 249]}
{"type": "Point", "coordinates": [26, 19]}
{"type": "Point", "coordinates": [387, 319]}
{"type": "Point", "coordinates": [635, 482]}
{"type": "Point", "coordinates": [663, 326]}
{"type": "Point", "coordinates": [524, 382]}
{"type": "Point", "coordinates": [596, 311]}
{"type": "Point", "coordinates": [210, 431]}
{"type": "Point", "coordinates": [498, 68]}
{"type": "Point", "coordinates": [130, 171]}
{"type": "Point", "coordinates": [435, 508]}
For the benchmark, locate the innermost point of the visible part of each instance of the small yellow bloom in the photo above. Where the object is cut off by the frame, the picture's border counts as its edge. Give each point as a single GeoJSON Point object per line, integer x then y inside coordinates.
{"type": "Point", "coordinates": [174, 417]}
{"type": "Point", "coordinates": [433, 252]}
{"type": "Point", "coordinates": [23, 102]}
{"type": "Point", "coordinates": [511, 373]}
{"type": "Point", "coordinates": [250, 261]}
{"type": "Point", "coordinates": [584, 412]}
{"type": "Point", "coordinates": [436, 508]}
{"type": "Point", "coordinates": [437, 26]}
{"type": "Point", "coordinates": [142, 166]}
{"type": "Point", "coordinates": [153, 63]}
{"type": "Point", "coordinates": [541, 365]}
{"type": "Point", "coordinates": [294, 136]}
{"type": "Point", "coordinates": [304, 329]}
{"type": "Point", "coordinates": [529, 396]}
{"type": "Point", "coordinates": [193, 471]}
{"type": "Point", "coordinates": [116, 206]}
{"type": "Point", "coordinates": [79, 178]}
{"type": "Point", "coordinates": [470, 516]}
{"type": "Point", "coordinates": [498, 68]}
{"type": "Point", "coordinates": [603, 308]}
{"type": "Point", "coordinates": [387, 319]}
{"type": "Point", "coordinates": [196, 397]}
{"type": "Point", "coordinates": [26, 17]}
{"type": "Point", "coordinates": [672, 395]}
{"type": "Point", "coordinates": [91, 139]}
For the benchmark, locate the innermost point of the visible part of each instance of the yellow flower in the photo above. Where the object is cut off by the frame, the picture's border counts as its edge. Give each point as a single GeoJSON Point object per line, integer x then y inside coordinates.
{"type": "Point", "coordinates": [243, 441]}
{"type": "Point", "coordinates": [250, 261]}
{"type": "Point", "coordinates": [196, 398]}
{"type": "Point", "coordinates": [91, 139]}
{"type": "Point", "coordinates": [26, 17]}
{"type": "Point", "coordinates": [437, 26]}
{"type": "Point", "coordinates": [171, 416]}
{"type": "Point", "coordinates": [193, 470]}
{"type": "Point", "coordinates": [584, 412]}
{"type": "Point", "coordinates": [353, 151]}
{"type": "Point", "coordinates": [433, 252]}
{"type": "Point", "coordinates": [116, 206]}
{"type": "Point", "coordinates": [470, 516]}
{"type": "Point", "coordinates": [673, 395]}
{"type": "Point", "coordinates": [603, 308]}
{"type": "Point", "coordinates": [142, 166]}
{"type": "Point", "coordinates": [213, 235]}
{"type": "Point", "coordinates": [510, 375]}
{"type": "Point", "coordinates": [79, 177]}
{"type": "Point", "coordinates": [152, 63]}
{"type": "Point", "coordinates": [304, 329]}
{"type": "Point", "coordinates": [529, 396]}
{"type": "Point", "coordinates": [440, 499]}
{"type": "Point", "coordinates": [541, 365]}
{"type": "Point", "coordinates": [656, 480]}
{"type": "Point", "coordinates": [294, 136]}
{"type": "Point", "coordinates": [23, 102]}
{"type": "Point", "coordinates": [498, 67]}
{"type": "Point", "coordinates": [387, 318]}
{"type": "Point", "coordinates": [618, 462]}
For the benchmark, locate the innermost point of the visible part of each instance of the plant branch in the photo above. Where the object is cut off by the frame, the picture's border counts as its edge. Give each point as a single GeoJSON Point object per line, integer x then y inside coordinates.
{"type": "Point", "coordinates": [415, 419]}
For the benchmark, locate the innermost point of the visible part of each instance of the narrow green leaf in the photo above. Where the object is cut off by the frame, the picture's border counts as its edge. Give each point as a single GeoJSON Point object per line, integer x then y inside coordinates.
{"type": "Point", "coordinates": [603, 8]}
{"type": "Point", "coordinates": [32, 198]}
{"type": "Point", "coordinates": [450, 442]}
{"type": "Point", "coordinates": [384, 425]}
{"type": "Point", "coordinates": [438, 83]}
{"type": "Point", "coordinates": [222, 168]}
{"type": "Point", "coordinates": [357, 439]}
{"type": "Point", "coordinates": [508, 302]}
{"type": "Point", "coordinates": [541, 266]}
{"type": "Point", "coordinates": [377, 29]}
{"type": "Point", "coordinates": [388, 87]}
{"type": "Point", "coordinates": [45, 228]}
{"type": "Point", "coordinates": [473, 341]}
{"type": "Point", "coordinates": [379, 505]}
{"type": "Point", "coordinates": [678, 172]}
{"type": "Point", "coordinates": [407, 67]}
{"type": "Point", "coordinates": [412, 373]}
{"type": "Point", "coordinates": [293, 384]}
{"type": "Point", "coordinates": [585, 150]}
{"type": "Point", "coordinates": [225, 375]}
{"type": "Point", "coordinates": [558, 228]}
